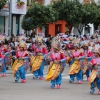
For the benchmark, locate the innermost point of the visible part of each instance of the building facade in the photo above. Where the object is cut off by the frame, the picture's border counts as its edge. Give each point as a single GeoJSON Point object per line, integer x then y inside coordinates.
{"type": "Point", "coordinates": [16, 19]}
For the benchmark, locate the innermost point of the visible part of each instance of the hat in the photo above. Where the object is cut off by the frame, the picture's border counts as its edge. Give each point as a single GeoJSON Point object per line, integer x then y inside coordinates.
{"type": "Point", "coordinates": [96, 49]}
{"type": "Point", "coordinates": [86, 45]}
{"type": "Point", "coordinates": [22, 33]}
{"type": "Point", "coordinates": [22, 44]}
{"type": "Point", "coordinates": [39, 38]}
{"type": "Point", "coordinates": [1, 41]}
{"type": "Point", "coordinates": [71, 38]}
{"type": "Point", "coordinates": [22, 38]}
{"type": "Point", "coordinates": [96, 31]}
{"type": "Point", "coordinates": [76, 45]}
{"type": "Point", "coordinates": [2, 38]}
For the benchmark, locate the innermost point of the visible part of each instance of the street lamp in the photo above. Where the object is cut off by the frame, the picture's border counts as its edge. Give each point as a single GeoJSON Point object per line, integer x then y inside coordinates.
{"type": "Point", "coordinates": [10, 17]}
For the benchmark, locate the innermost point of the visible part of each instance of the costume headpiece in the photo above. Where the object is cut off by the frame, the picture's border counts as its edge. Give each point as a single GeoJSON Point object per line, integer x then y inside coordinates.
{"type": "Point", "coordinates": [56, 43]}
{"type": "Point", "coordinates": [39, 38]}
{"type": "Point", "coordinates": [22, 37]}
{"type": "Point", "coordinates": [76, 45]}
{"type": "Point", "coordinates": [2, 38]}
{"type": "Point", "coordinates": [71, 38]}
{"type": "Point", "coordinates": [97, 49]}
{"type": "Point", "coordinates": [22, 44]}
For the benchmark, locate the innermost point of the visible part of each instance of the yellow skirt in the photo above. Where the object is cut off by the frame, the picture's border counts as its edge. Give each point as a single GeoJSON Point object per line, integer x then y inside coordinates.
{"type": "Point", "coordinates": [53, 72]}
{"type": "Point", "coordinates": [92, 77]}
{"type": "Point", "coordinates": [17, 64]}
{"type": "Point", "coordinates": [68, 60]}
{"type": "Point", "coordinates": [74, 69]}
{"type": "Point", "coordinates": [36, 62]}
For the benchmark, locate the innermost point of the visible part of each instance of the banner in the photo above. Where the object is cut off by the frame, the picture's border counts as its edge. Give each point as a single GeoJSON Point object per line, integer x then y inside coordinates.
{"type": "Point", "coordinates": [19, 6]}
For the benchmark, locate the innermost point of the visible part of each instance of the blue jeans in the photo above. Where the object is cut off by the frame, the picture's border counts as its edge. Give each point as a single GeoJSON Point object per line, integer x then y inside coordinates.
{"type": "Point", "coordinates": [78, 76]}
{"type": "Point", "coordinates": [4, 69]}
{"type": "Point", "coordinates": [20, 73]}
{"type": "Point", "coordinates": [39, 72]}
{"type": "Point", "coordinates": [57, 81]}
{"type": "Point", "coordinates": [87, 73]}
{"type": "Point", "coordinates": [71, 62]}
{"type": "Point", "coordinates": [97, 80]}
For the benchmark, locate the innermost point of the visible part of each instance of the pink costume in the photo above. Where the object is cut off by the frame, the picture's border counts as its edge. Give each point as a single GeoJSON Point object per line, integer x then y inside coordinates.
{"type": "Point", "coordinates": [21, 54]}
{"type": "Point", "coordinates": [60, 58]}
{"type": "Point", "coordinates": [40, 49]}
{"type": "Point", "coordinates": [95, 61]}
{"type": "Point", "coordinates": [95, 64]}
{"type": "Point", "coordinates": [76, 54]}
{"type": "Point", "coordinates": [33, 47]}
{"type": "Point", "coordinates": [1, 55]}
{"type": "Point", "coordinates": [78, 75]}
{"type": "Point", "coordinates": [20, 73]}
{"type": "Point", "coordinates": [57, 56]}
{"type": "Point", "coordinates": [88, 53]}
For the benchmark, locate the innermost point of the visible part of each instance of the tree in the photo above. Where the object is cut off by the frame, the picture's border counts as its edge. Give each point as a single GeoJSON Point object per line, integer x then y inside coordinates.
{"type": "Point", "coordinates": [97, 21]}
{"type": "Point", "coordinates": [39, 15]}
{"type": "Point", "coordinates": [70, 11]}
{"type": "Point", "coordinates": [76, 14]}
{"type": "Point", "coordinates": [2, 3]}
{"type": "Point", "coordinates": [89, 14]}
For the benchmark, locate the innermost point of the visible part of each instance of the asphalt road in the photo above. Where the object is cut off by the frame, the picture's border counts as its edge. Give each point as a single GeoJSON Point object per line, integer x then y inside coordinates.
{"type": "Point", "coordinates": [40, 89]}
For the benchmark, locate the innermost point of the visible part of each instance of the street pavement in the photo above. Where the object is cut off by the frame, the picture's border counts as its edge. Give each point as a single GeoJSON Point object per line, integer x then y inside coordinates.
{"type": "Point", "coordinates": [40, 89]}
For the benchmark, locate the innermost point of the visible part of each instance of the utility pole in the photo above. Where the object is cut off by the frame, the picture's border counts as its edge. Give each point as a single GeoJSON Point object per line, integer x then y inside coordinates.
{"type": "Point", "coordinates": [10, 18]}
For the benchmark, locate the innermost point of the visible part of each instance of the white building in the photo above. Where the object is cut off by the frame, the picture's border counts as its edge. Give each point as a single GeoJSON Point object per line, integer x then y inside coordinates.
{"type": "Point", "coordinates": [13, 22]}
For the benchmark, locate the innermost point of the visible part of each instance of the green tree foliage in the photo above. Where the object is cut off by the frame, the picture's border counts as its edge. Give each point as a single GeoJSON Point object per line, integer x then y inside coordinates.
{"type": "Point", "coordinates": [89, 14]}
{"type": "Point", "coordinates": [97, 21]}
{"type": "Point", "coordinates": [73, 12]}
{"type": "Point", "coordinates": [76, 14]}
{"type": "Point", "coordinates": [39, 15]}
{"type": "Point", "coordinates": [70, 11]}
{"type": "Point", "coordinates": [2, 3]}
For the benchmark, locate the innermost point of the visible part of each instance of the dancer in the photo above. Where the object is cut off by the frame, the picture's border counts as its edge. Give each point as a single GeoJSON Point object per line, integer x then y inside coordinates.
{"type": "Point", "coordinates": [87, 56]}
{"type": "Point", "coordinates": [2, 65]}
{"type": "Point", "coordinates": [38, 59]}
{"type": "Point", "coordinates": [95, 74]}
{"type": "Point", "coordinates": [57, 59]}
{"type": "Point", "coordinates": [19, 64]}
{"type": "Point", "coordinates": [75, 69]}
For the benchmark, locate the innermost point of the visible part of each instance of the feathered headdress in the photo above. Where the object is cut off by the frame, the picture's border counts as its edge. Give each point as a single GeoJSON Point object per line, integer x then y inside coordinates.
{"type": "Point", "coordinates": [97, 49]}
{"type": "Point", "coordinates": [2, 38]}
{"type": "Point", "coordinates": [22, 44]}
{"type": "Point", "coordinates": [56, 43]}
{"type": "Point", "coordinates": [39, 38]}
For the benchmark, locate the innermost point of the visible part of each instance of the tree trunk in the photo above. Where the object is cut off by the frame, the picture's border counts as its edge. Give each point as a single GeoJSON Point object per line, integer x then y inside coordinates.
{"type": "Point", "coordinates": [36, 30]}
{"type": "Point", "coordinates": [96, 27]}
{"type": "Point", "coordinates": [80, 28]}
{"type": "Point", "coordinates": [69, 27]}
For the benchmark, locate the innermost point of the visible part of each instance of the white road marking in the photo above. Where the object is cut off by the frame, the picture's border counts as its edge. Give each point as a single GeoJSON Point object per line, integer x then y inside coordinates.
{"type": "Point", "coordinates": [64, 76]}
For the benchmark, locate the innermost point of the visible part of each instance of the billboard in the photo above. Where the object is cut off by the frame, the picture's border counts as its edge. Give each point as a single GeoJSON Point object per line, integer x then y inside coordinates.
{"type": "Point", "coordinates": [19, 6]}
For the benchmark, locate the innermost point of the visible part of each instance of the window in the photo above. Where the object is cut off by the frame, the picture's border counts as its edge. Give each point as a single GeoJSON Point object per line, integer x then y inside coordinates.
{"type": "Point", "coordinates": [2, 23]}
{"type": "Point", "coordinates": [86, 1]}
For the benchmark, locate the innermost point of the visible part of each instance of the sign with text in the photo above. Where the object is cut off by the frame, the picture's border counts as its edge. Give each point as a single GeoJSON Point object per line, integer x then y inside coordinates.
{"type": "Point", "coordinates": [19, 6]}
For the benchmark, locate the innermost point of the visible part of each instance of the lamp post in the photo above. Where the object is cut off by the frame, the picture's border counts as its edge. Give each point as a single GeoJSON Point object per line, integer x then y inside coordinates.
{"type": "Point", "coordinates": [10, 17]}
